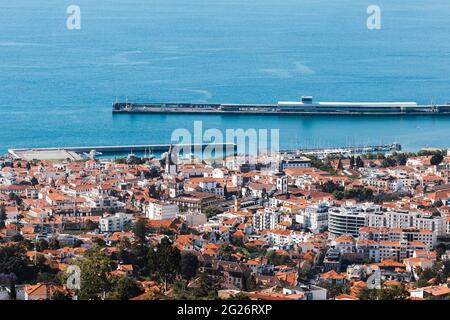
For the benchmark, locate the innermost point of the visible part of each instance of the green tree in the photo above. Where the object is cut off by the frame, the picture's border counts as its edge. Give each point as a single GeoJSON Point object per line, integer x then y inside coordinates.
{"type": "Point", "coordinates": [41, 245]}
{"type": "Point", "coordinates": [437, 159]}
{"type": "Point", "coordinates": [277, 259]}
{"type": "Point", "coordinates": [3, 216]}
{"type": "Point", "coordinates": [61, 295]}
{"type": "Point", "coordinates": [359, 162]}
{"type": "Point", "coordinates": [164, 262]}
{"type": "Point", "coordinates": [14, 197]}
{"type": "Point", "coordinates": [124, 247]}
{"type": "Point", "coordinates": [338, 195]}
{"type": "Point", "coordinates": [124, 289]}
{"type": "Point", "coordinates": [250, 283]}
{"type": "Point", "coordinates": [239, 296]}
{"type": "Point", "coordinates": [53, 243]}
{"type": "Point", "coordinates": [34, 181]}
{"type": "Point", "coordinates": [153, 173]}
{"type": "Point", "coordinates": [206, 287]}
{"type": "Point", "coordinates": [392, 293]}
{"type": "Point", "coordinates": [330, 187]}
{"type": "Point", "coordinates": [137, 255]}
{"type": "Point", "coordinates": [361, 194]}
{"type": "Point", "coordinates": [99, 242]}
{"type": "Point", "coordinates": [226, 253]}
{"type": "Point", "coordinates": [237, 241]}
{"type": "Point", "coordinates": [367, 294]}
{"type": "Point", "coordinates": [320, 164]}
{"type": "Point", "coordinates": [438, 203]}
{"type": "Point", "coordinates": [212, 211]}
{"type": "Point", "coordinates": [78, 243]}
{"type": "Point", "coordinates": [401, 159]}
{"type": "Point", "coordinates": [352, 161]}
{"type": "Point", "coordinates": [140, 230]}
{"type": "Point", "coordinates": [334, 290]}
{"type": "Point", "coordinates": [388, 162]}
{"type": "Point", "coordinates": [188, 266]}
{"type": "Point", "coordinates": [305, 273]}
{"type": "Point", "coordinates": [40, 264]}
{"type": "Point", "coordinates": [440, 249]}
{"type": "Point", "coordinates": [389, 293]}
{"type": "Point", "coordinates": [14, 261]}
{"type": "Point", "coordinates": [95, 267]}
{"type": "Point", "coordinates": [427, 274]}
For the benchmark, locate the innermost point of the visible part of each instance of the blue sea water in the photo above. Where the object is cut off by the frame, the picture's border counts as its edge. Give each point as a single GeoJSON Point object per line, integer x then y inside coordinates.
{"type": "Point", "coordinates": [57, 85]}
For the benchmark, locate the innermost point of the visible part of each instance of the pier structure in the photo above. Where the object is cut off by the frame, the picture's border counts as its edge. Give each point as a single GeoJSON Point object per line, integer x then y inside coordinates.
{"type": "Point", "coordinates": [305, 106]}
{"type": "Point", "coordinates": [76, 153]}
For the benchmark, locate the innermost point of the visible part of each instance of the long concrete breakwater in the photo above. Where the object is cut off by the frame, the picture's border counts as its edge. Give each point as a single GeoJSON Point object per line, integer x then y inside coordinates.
{"type": "Point", "coordinates": [304, 107]}
{"type": "Point", "coordinates": [76, 153]}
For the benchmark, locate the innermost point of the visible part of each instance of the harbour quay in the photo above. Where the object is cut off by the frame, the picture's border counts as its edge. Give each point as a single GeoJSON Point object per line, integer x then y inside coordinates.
{"type": "Point", "coordinates": [306, 105]}
{"type": "Point", "coordinates": [78, 153]}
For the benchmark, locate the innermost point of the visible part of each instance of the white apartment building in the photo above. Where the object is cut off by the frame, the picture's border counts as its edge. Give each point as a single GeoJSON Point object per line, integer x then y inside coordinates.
{"type": "Point", "coordinates": [161, 211]}
{"type": "Point", "coordinates": [279, 237]}
{"type": "Point", "coordinates": [282, 238]}
{"type": "Point", "coordinates": [212, 187]}
{"type": "Point", "coordinates": [314, 217]}
{"type": "Point", "coordinates": [266, 219]}
{"type": "Point", "coordinates": [345, 244]}
{"type": "Point", "coordinates": [7, 178]}
{"type": "Point", "coordinates": [103, 202]}
{"type": "Point", "coordinates": [411, 235]}
{"type": "Point", "coordinates": [115, 222]}
{"type": "Point", "coordinates": [384, 250]}
{"type": "Point", "coordinates": [348, 219]}
{"type": "Point", "coordinates": [403, 219]}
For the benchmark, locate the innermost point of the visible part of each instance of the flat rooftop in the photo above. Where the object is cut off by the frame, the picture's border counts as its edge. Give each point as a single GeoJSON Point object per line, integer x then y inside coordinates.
{"type": "Point", "coordinates": [348, 104]}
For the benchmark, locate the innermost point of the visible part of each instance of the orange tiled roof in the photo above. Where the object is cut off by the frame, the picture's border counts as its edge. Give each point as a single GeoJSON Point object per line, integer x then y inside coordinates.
{"type": "Point", "coordinates": [333, 275]}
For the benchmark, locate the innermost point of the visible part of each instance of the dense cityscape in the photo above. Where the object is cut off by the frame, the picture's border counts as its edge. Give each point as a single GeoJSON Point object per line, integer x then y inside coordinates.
{"type": "Point", "coordinates": [279, 227]}
{"type": "Point", "coordinates": [224, 159]}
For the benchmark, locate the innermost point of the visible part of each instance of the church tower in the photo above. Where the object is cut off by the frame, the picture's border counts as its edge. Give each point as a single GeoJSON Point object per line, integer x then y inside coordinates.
{"type": "Point", "coordinates": [170, 167]}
